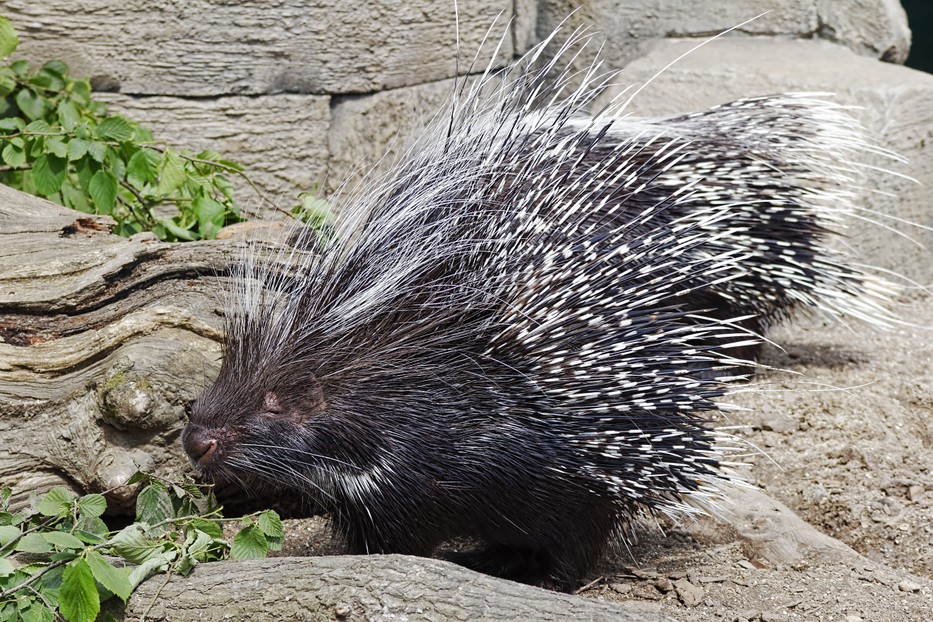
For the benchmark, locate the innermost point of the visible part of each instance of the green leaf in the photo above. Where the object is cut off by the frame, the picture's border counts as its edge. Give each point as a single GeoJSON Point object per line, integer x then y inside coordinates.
{"type": "Point", "coordinates": [86, 168]}
{"type": "Point", "coordinates": [115, 163]}
{"type": "Point", "coordinates": [33, 543]}
{"type": "Point", "coordinates": [171, 172]}
{"type": "Point", "coordinates": [79, 600]}
{"type": "Point", "coordinates": [114, 579]}
{"type": "Point", "coordinates": [114, 128]}
{"type": "Point", "coordinates": [249, 543]}
{"type": "Point", "coordinates": [132, 544]}
{"type": "Point", "coordinates": [47, 79]}
{"type": "Point", "coordinates": [197, 548]}
{"type": "Point", "coordinates": [50, 584]}
{"type": "Point", "coordinates": [56, 502]}
{"type": "Point", "coordinates": [68, 115]}
{"type": "Point", "coordinates": [236, 166]}
{"type": "Point", "coordinates": [37, 612]}
{"type": "Point", "coordinates": [92, 505]}
{"type": "Point", "coordinates": [20, 68]}
{"type": "Point", "coordinates": [77, 147]}
{"type": "Point", "coordinates": [88, 537]}
{"type": "Point", "coordinates": [210, 215]}
{"type": "Point", "coordinates": [7, 84]}
{"type": "Point", "coordinates": [81, 91]}
{"type": "Point", "coordinates": [6, 567]}
{"type": "Point", "coordinates": [8, 38]}
{"type": "Point", "coordinates": [39, 126]}
{"type": "Point", "coordinates": [140, 572]}
{"type": "Point", "coordinates": [49, 172]}
{"type": "Point", "coordinates": [57, 146]}
{"type": "Point", "coordinates": [63, 540]}
{"type": "Point", "coordinates": [13, 155]}
{"type": "Point", "coordinates": [59, 68]}
{"type": "Point", "coordinates": [97, 150]}
{"type": "Point", "coordinates": [103, 191]}
{"type": "Point", "coordinates": [211, 528]}
{"type": "Point", "coordinates": [138, 477]}
{"type": "Point", "coordinates": [31, 104]}
{"type": "Point", "coordinates": [153, 505]}
{"type": "Point", "coordinates": [271, 525]}
{"type": "Point", "coordinates": [12, 123]}
{"type": "Point", "coordinates": [315, 211]}
{"type": "Point", "coordinates": [177, 230]}
{"type": "Point", "coordinates": [9, 533]}
{"type": "Point", "coordinates": [143, 168]}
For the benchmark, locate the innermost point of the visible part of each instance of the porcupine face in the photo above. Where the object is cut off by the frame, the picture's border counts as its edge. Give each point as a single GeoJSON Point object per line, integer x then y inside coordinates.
{"type": "Point", "coordinates": [259, 428]}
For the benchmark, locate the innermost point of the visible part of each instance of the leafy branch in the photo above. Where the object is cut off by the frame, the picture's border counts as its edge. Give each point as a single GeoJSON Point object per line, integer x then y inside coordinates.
{"type": "Point", "coordinates": [58, 143]}
{"type": "Point", "coordinates": [58, 557]}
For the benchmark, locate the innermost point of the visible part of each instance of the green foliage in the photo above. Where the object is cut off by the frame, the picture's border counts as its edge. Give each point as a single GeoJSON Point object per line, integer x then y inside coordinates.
{"type": "Point", "coordinates": [58, 143]}
{"type": "Point", "coordinates": [58, 558]}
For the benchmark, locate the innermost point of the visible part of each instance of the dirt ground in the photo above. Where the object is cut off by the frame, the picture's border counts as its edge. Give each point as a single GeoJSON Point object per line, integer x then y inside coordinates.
{"type": "Point", "coordinates": [844, 438]}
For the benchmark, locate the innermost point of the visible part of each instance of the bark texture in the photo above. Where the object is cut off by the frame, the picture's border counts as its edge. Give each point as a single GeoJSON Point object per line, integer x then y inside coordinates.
{"type": "Point", "coordinates": [102, 342]}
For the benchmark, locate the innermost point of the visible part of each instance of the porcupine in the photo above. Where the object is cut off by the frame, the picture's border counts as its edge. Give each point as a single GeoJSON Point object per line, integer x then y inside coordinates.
{"type": "Point", "coordinates": [521, 333]}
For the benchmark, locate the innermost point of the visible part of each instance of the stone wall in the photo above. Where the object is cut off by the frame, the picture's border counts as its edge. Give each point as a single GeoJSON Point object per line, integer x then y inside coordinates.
{"type": "Point", "coordinates": [303, 93]}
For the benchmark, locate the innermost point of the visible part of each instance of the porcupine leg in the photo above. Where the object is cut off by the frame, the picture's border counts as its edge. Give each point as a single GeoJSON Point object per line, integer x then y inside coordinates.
{"type": "Point", "coordinates": [556, 550]}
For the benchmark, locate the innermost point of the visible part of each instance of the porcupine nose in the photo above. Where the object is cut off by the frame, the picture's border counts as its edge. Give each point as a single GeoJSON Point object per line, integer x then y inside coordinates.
{"type": "Point", "coordinates": [200, 444]}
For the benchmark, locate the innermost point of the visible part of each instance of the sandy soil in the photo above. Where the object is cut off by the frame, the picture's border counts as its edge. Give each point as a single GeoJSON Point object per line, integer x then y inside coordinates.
{"type": "Point", "coordinates": [845, 439]}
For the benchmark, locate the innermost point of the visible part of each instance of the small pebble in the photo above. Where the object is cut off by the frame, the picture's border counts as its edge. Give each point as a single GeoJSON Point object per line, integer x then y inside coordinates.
{"type": "Point", "coordinates": [621, 588]}
{"type": "Point", "coordinates": [854, 618]}
{"type": "Point", "coordinates": [342, 610]}
{"type": "Point", "coordinates": [690, 595]}
{"type": "Point", "coordinates": [908, 586]}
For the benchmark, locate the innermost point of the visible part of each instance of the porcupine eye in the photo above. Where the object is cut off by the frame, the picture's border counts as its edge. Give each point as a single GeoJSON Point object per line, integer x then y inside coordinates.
{"type": "Point", "coordinates": [271, 407]}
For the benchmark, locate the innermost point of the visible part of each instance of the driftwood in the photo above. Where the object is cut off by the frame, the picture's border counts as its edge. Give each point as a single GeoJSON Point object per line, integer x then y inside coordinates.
{"type": "Point", "coordinates": [375, 587]}
{"type": "Point", "coordinates": [102, 342]}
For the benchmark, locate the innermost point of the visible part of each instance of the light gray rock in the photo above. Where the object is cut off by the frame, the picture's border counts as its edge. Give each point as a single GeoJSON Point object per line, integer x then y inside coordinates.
{"type": "Point", "coordinates": [895, 104]}
{"type": "Point", "coordinates": [524, 27]}
{"type": "Point", "coordinates": [870, 27]}
{"type": "Point", "coordinates": [627, 29]}
{"type": "Point", "coordinates": [281, 140]}
{"type": "Point", "coordinates": [205, 48]}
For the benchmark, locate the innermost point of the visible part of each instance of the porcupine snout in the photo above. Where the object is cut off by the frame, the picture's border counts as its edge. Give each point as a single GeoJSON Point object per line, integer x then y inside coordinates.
{"type": "Point", "coordinates": [201, 444]}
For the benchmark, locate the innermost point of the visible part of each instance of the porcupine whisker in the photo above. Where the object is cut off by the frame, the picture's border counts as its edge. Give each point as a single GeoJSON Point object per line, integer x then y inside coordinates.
{"type": "Point", "coordinates": [273, 470]}
{"type": "Point", "coordinates": [292, 449]}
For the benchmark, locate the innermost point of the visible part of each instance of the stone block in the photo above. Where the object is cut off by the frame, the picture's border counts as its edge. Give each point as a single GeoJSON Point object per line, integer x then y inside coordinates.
{"type": "Point", "coordinates": [281, 140]}
{"type": "Point", "coordinates": [624, 29]}
{"type": "Point", "coordinates": [208, 48]}
{"type": "Point", "coordinates": [372, 131]}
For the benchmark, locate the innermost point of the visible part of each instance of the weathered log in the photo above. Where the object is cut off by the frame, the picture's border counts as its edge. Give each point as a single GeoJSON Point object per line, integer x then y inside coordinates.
{"type": "Point", "coordinates": [374, 587]}
{"type": "Point", "coordinates": [102, 341]}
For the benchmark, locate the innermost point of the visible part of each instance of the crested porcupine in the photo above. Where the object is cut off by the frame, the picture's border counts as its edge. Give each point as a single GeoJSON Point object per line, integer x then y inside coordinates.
{"type": "Point", "coordinates": [520, 334]}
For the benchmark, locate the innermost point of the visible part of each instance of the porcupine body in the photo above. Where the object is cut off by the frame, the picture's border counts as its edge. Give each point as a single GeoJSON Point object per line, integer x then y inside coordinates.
{"type": "Point", "coordinates": [520, 334]}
